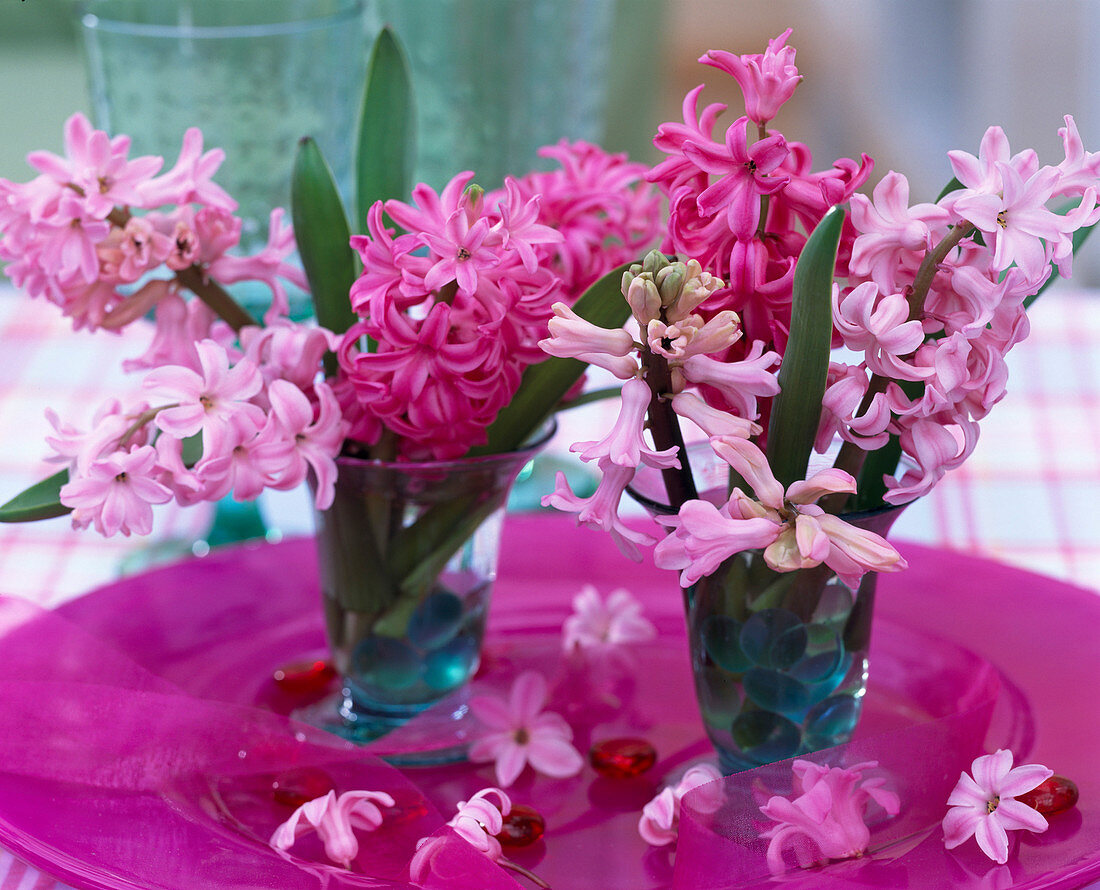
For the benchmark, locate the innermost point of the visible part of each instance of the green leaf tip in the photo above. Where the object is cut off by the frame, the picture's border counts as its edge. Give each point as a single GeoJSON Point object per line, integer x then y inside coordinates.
{"type": "Point", "coordinates": [41, 501]}
{"type": "Point", "coordinates": [386, 143]}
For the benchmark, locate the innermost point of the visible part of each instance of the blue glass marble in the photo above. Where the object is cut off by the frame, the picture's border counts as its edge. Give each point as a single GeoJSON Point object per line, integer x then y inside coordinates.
{"type": "Point", "coordinates": [776, 691]}
{"type": "Point", "coordinates": [449, 667]}
{"type": "Point", "coordinates": [774, 638]}
{"type": "Point", "coordinates": [386, 662]}
{"type": "Point", "coordinates": [436, 620]}
{"type": "Point", "coordinates": [821, 666]}
{"type": "Point", "coordinates": [722, 641]}
{"type": "Point", "coordinates": [832, 720]}
{"type": "Point", "coordinates": [764, 737]}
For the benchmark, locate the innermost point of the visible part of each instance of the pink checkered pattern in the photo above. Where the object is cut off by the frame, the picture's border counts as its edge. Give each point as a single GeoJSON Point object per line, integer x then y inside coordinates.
{"type": "Point", "coordinates": [1027, 496]}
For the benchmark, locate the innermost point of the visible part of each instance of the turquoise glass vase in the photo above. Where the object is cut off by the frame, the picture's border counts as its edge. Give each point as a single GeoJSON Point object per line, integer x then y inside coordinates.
{"type": "Point", "coordinates": [407, 557]}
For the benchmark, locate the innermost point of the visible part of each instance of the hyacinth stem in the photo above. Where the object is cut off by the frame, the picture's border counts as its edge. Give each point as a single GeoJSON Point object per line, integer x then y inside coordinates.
{"type": "Point", "coordinates": [520, 870]}
{"type": "Point", "coordinates": [665, 426]}
{"type": "Point", "coordinates": [851, 456]}
{"type": "Point", "coordinates": [194, 278]}
{"type": "Point", "coordinates": [215, 296]}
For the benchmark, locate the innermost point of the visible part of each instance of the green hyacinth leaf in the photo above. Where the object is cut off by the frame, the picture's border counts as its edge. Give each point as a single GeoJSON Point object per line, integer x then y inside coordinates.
{"type": "Point", "coordinates": [796, 410]}
{"type": "Point", "coordinates": [321, 230]}
{"type": "Point", "coordinates": [41, 501]}
{"type": "Point", "coordinates": [385, 151]}
{"type": "Point", "coordinates": [544, 385]}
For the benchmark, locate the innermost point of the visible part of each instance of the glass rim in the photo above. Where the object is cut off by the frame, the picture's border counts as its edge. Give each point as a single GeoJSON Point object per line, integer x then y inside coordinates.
{"type": "Point", "coordinates": [525, 451]}
{"type": "Point", "coordinates": [91, 21]}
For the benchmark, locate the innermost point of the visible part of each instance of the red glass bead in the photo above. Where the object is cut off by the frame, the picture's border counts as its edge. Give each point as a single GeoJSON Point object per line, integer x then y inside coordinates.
{"type": "Point", "coordinates": [522, 826]}
{"type": "Point", "coordinates": [1053, 796]}
{"type": "Point", "coordinates": [622, 758]}
{"type": "Point", "coordinates": [408, 806]}
{"type": "Point", "coordinates": [298, 786]}
{"type": "Point", "coordinates": [304, 677]}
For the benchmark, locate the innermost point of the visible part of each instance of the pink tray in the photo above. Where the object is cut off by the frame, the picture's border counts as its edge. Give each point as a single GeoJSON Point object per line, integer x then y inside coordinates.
{"type": "Point", "coordinates": [217, 627]}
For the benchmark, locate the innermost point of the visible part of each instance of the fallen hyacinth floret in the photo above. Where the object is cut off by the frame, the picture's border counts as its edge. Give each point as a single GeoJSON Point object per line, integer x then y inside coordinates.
{"type": "Point", "coordinates": [335, 819]}
{"type": "Point", "coordinates": [660, 822]}
{"type": "Point", "coordinates": [477, 821]}
{"type": "Point", "coordinates": [826, 819]}
{"type": "Point", "coordinates": [983, 805]}
{"type": "Point", "coordinates": [599, 622]}
{"type": "Point", "coordinates": [520, 732]}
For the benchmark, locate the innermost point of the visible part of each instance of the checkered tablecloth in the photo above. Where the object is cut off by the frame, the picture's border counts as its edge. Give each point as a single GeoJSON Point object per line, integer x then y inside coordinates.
{"type": "Point", "coordinates": [1027, 496]}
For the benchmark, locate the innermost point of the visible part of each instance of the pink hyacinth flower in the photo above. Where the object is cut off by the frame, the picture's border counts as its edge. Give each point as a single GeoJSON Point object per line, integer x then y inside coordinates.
{"type": "Point", "coordinates": [596, 622]}
{"type": "Point", "coordinates": [335, 819]}
{"type": "Point", "coordinates": [207, 401]}
{"type": "Point", "coordinates": [1023, 230]}
{"type": "Point", "coordinates": [710, 420]}
{"type": "Point", "coordinates": [97, 164]}
{"type": "Point", "coordinates": [767, 79]}
{"type": "Point", "coordinates": [825, 820]}
{"type": "Point", "coordinates": [746, 175]}
{"type": "Point", "coordinates": [983, 806]}
{"type": "Point", "coordinates": [983, 173]}
{"type": "Point", "coordinates": [704, 537]}
{"type": "Point", "coordinates": [116, 493]}
{"type": "Point", "coordinates": [625, 444]}
{"type": "Point", "coordinates": [794, 532]}
{"type": "Point", "coordinates": [660, 821]}
{"type": "Point", "coordinates": [477, 821]}
{"type": "Point", "coordinates": [601, 509]}
{"type": "Point", "coordinates": [316, 441]}
{"type": "Point", "coordinates": [573, 337]}
{"type": "Point", "coordinates": [879, 325]}
{"type": "Point", "coordinates": [521, 733]}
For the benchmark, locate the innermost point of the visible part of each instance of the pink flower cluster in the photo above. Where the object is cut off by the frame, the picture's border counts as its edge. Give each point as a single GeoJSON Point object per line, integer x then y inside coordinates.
{"type": "Point", "coordinates": [826, 817]}
{"type": "Point", "coordinates": [931, 299]}
{"type": "Point", "coordinates": [262, 420]}
{"type": "Point", "coordinates": [456, 303]}
{"type": "Point", "coordinates": [250, 398]}
{"type": "Point", "coordinates": [793, 530]}
{"type": "Point", "coordinates": [71, 234]}
{"type": "Point", "coordinates": [952, 345]}
{"type": "Point", "coordinates": [736, 203]}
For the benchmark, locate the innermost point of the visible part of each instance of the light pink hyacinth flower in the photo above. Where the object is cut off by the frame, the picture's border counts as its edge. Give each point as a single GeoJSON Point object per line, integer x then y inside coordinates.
{"type": "Point", "coordinates": [660, 822]}
{"type": "Point", "coordinates": [117, 492]}
{"type": "Point", "coordinates": [596, 622]}
{"type": "Point", "coordinates": [983, 806]}
{"type": "Point", "coordinates": [793, 530]}
{"type": "Point", "coordinates": [825, 819]}
{"type": "Point", "coordinates": [521, 733]}
{"type": "Point", "coordinates": [335, 820]}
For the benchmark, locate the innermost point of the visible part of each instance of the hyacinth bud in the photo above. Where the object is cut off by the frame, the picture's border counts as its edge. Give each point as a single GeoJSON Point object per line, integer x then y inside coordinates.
{"type": "Point", "coordinates": [697, 286]}
{"type": "Point", "coordinates": [653, 262]}
{"type": "Point", "coordinates": [644, 299]}
{"type": "Point", "coordinates": [474, 194]}
{"type": "Point", "coordinates": [670, 280]}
